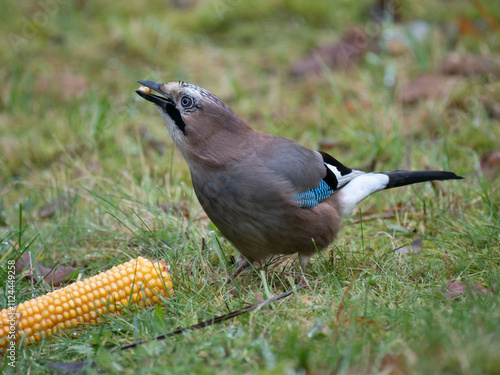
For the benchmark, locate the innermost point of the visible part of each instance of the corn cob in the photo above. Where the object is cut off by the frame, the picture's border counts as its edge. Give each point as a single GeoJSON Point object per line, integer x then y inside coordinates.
{"type": "Point", "coordinates": [137, 282]}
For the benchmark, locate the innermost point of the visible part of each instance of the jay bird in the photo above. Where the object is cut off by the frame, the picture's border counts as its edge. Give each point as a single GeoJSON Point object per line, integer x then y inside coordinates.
{"type": "Point", "coordinates": [267, 195]}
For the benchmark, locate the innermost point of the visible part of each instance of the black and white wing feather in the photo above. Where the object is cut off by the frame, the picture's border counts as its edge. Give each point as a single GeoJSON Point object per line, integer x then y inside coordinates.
{"type": "Point", "coordinates": [357, 185]}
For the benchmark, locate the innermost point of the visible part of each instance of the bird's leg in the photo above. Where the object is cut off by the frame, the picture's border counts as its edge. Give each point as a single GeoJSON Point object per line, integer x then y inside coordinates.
{"type": "Point", "coordinates": [244, 264]}
{"type": "Point", "coordinates": [304, 261]}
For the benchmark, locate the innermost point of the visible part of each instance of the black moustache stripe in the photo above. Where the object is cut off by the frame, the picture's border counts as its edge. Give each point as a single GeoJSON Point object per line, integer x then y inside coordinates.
{"type": "Point", "coordinates": [176, 116]}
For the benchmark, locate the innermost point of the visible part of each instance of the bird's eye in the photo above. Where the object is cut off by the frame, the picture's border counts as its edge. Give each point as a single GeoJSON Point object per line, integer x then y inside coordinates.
{"type": "Point", "coordinates": [186, 102]}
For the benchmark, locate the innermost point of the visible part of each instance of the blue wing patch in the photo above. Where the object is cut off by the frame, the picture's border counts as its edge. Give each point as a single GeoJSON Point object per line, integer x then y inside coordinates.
{"type": "Point", "coordinates": [312, 197]}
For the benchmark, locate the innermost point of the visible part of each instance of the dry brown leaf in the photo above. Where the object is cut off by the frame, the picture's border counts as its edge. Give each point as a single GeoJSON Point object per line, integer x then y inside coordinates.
{"type": "Point", "coordinates": [328, 144]}
{"type": "Point", "coordinates": [175, 209]}
{"type": "Point", "coordinates": [490, 164]}
{"type": "Point", "coordinates": [467, 27]}
{"type": "Point", "coordinates": [67, 85]}
{"type": "Point", "coordinates": [54, 276]}
{"type": "Point", "coordinates": [342, 55]}
{"type": "Point", "coordinates": [427, 86]}
{"type": "Point", "coordinates": [456, 288]}
{"type": "Point", "coordinates": [390, 364]}
{"type": "Point", "coordinates": [361, 321]}
{"type": "Point", "coordinates": [60, 203]}
{"type": "Point", "coordinates": [467, 65]}
{"type": "Point", "coordinates": [393, 365]}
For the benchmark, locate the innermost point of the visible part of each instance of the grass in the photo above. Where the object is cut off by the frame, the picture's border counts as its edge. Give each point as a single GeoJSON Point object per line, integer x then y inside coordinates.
{"type": "Point", "coordinates": [73, 131]}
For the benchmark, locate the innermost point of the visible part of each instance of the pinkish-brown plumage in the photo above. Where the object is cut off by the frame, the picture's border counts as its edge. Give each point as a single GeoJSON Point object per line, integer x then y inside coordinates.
{"type": "Point", "coordinates": [266, 194]}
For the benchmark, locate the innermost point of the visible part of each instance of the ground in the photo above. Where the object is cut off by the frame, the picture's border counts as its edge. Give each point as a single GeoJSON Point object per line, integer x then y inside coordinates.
{"type": "Point", "coordinates": [89, 179]}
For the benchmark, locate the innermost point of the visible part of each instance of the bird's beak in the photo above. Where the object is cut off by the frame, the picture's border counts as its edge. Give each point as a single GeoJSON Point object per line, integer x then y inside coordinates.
{"type": "Point", "coordinates": [159, 100]}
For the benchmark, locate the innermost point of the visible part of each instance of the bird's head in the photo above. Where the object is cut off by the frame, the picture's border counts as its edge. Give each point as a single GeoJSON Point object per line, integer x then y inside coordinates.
{"type": "Point", "coordinates": [197, 120]}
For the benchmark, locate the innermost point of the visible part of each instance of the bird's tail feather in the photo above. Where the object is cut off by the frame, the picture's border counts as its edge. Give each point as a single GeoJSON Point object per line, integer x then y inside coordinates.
{"type": "Point", "coordinates": [402, 178]}
{"type": "Point", "coordinates": [365, 184]}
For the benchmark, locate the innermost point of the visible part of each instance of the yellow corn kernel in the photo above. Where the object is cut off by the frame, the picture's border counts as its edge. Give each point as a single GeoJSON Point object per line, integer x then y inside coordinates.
{"type": "Point", "coordinates": [145, 89]}
{"type": "Point", "coordinates": [139, 281]}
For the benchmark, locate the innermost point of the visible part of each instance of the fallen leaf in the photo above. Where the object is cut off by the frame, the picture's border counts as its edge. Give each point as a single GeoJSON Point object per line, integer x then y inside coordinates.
{"type": "Point", "coordinates": [60, 203]}
{"type": "Point", "coordinates": [468, 27]}
{"type": "Point", "coordinates": [54, 276]}
{"type": "Point", "coordinates": [328, 144]}
{"type": "Point", "coordinates": [393, 365]}
{"type": "Point", "coordinates": [175, 209]}
{"type": "Point", "coordinates": [468, 65]}
{"type": "Point", "coordinates": [390, 364]}
{"type": "Point", "coordinates": [490, 164]}
{"type": "Point", "coordinates": [342, 55]}
{"type": "Point", "coordinates": [361, 321]}
{"type": "Point", "coordinates": [455, 289]}
{"type": "Point", "coordinates": [66, 85]}
{"type": "Point", "coordinates": [427, 86]}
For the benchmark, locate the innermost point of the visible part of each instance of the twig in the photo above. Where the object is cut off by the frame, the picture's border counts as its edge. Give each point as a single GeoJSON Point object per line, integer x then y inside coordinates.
{"type": "Point", "coordinates": [213, 321]}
